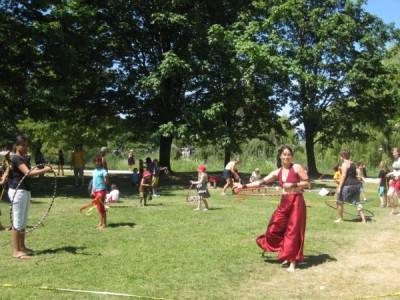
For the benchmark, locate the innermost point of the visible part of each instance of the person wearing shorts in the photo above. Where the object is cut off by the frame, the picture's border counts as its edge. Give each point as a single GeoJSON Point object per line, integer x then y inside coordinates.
{"type": "Point", "coordinates": [99, 191]}
{"type": "Point", "coordinates": [349, 189]}
{"type": "Point", "coordinates": [19, 193]}
{"type": "Point", "coordinates": [144, 188]}
{"type": "Point", "coordinates": [230, 174]}
{"type": "Point", "coordinates": [382, 188]}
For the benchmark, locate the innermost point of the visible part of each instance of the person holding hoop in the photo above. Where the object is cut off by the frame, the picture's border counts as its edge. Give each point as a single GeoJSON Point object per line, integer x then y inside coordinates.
{"type": "Point", "coordinates": [230, 174]}
{"type": "Point", "coordinates": [21, 197]}
{"type": "Point", "coordinates": [99, 191]}
{"type": "Point", "coordinates": [201, 187]}
{"type": "Point", "coordinates": [286, 229]}
{"type": "Point", "coordinates": [349, 188]}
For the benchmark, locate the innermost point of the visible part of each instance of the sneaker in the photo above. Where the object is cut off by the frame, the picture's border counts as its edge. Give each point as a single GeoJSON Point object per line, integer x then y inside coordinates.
{"type": "Point", "coordinates": [205, 209]}
{"type": "Point", "coordinates": [196, 209]}
{"type": "Point", "coordinates": [338, 221]}
{"type": "Point", "coordinates": [223, 194]}
{"type": "Point", "coordinates": [156, 195]}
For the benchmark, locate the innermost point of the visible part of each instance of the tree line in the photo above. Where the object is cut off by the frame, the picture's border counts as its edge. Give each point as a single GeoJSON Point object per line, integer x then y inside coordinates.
{"type": "Point", "coordinates": [207, 72]}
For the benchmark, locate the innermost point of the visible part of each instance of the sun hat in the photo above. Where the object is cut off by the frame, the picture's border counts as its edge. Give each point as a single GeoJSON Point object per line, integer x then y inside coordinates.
{"type": "Point", "coordinates": [103, 149]}
{"type": "Point", "coordinates": [201, 168]}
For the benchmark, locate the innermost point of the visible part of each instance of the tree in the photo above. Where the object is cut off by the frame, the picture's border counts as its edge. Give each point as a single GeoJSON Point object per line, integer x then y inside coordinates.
{"type": "Point", "coordinates": [234, 92]}
{"type": "Point", "coordinates": [161, 46]}
{"type": "Point", "coordinates": [57, 66]}
{"type": "Point", "coordinates": [333, 51]}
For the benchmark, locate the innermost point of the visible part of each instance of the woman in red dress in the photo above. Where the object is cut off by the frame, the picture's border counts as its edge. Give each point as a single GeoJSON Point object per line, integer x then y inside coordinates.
{"type": "Point", "coordinates": [285, 232]}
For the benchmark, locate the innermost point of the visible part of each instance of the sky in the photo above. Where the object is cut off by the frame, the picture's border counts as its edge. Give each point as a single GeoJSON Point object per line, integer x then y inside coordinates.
{"type": "Point", "coordinates": [387, 10]}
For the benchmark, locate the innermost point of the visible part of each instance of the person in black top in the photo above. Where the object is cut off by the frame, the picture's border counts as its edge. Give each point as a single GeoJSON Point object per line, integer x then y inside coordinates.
{"type": "Point", "coordinates": [349, 188]}
{"type": "Point", "coordinates": [60, 162]}
{"type": "Point", "coordinates": [21, 197]}
{"type": "Point", "coordinates": [382, 189]}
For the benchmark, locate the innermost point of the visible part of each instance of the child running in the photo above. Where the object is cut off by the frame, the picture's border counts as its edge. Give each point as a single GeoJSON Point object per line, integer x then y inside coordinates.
{"type": "Point", "coordinates": [145, 188]}
{"type": "Point", "coordinates": [201, 186]}
{"type": "Point", "coordinates": [99, 182]}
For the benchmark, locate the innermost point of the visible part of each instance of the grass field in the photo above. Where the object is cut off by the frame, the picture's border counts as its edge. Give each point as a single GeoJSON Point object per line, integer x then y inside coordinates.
{"type": "Point", "coordinates": [167, 250]}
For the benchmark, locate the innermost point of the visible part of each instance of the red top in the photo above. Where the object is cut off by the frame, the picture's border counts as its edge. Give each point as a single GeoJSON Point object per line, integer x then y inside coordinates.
{"type": "Point", "coordinates": [292, 177]}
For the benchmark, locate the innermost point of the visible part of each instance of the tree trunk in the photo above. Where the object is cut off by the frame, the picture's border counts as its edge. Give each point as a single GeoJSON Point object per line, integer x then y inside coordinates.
{"type": "Point", "coordinates": [227, 157]}
{"type": "Point", "coordinates": [165, 152]}
{"type": "Point", "coordinates": [311, 165]}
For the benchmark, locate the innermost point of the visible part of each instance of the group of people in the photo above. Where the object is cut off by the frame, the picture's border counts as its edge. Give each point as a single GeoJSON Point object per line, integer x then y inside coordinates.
{"type": "Point", "coordinates": [146, 177]}
{"type": "Point", "coordinates": [285, 232]}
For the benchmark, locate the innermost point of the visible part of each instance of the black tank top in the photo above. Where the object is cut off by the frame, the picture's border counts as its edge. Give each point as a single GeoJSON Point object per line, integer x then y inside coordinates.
{"type": "Point", "coordinates": [351, 176]}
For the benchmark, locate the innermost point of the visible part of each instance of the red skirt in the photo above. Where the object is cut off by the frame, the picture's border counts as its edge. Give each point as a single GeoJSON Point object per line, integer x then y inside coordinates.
{"type": "Point", "coordinates": [286, 229]}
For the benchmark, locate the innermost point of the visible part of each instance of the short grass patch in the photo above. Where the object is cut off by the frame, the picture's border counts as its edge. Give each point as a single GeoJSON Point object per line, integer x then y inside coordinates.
{"type": "Point", "coordinates": [168, 250]}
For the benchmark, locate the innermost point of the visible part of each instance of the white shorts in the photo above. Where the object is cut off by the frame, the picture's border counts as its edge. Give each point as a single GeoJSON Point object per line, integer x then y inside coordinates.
{"type": "Point", "coordinates": [20, 203]}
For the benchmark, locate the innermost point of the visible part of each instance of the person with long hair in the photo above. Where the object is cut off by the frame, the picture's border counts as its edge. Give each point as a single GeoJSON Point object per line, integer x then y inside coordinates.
{"type": "Point", "coordinates": [286, 229]}
{"type": "Point", "coordinates": [21, 197]}
{"type": "Point", "coordinates": [349, 189]}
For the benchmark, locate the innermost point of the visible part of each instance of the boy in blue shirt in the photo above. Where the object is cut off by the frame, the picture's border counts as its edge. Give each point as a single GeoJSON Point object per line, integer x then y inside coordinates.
{"type": "Point", "coordinates": [99, 191]}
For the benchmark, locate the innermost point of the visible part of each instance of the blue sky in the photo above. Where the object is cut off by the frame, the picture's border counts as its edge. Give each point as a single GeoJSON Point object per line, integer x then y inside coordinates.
{"type": "Point", "coordinates": [387, 10]}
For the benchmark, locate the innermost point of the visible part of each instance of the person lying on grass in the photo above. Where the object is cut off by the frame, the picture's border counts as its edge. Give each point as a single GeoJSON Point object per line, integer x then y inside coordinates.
{"type": "Point", "coordinates": [99, 182]}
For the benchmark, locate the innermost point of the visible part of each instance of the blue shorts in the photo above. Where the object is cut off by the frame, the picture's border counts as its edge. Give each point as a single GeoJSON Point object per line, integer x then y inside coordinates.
{"type": "Point", "coordinates": [382, 191]}
{"type": "Point", "coordinates": [227, 174]}
{"type": "Point", "coordinates": [350, 193]}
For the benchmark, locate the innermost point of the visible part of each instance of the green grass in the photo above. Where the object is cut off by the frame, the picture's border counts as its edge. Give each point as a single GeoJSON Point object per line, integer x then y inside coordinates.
{"type": "Point", "coordinates": [164, 250]}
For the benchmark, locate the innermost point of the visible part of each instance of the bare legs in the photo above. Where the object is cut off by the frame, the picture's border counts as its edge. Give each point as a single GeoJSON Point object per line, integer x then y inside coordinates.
{"type": "Point", "coordinates": [229, 183]}
{"type": "Point", "coordinates": [19, 249]}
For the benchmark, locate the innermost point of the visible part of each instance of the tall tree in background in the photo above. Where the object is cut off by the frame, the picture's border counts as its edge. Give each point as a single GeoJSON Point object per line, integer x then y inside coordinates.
{"type": "Point", "coordinates": [333, 50]}
{"type": "Point", "coordinates": [161, 46]}
{"type": "Point", "coordinates": [235, 91]}
{"type": "Point", "coordinates": [17, 63]}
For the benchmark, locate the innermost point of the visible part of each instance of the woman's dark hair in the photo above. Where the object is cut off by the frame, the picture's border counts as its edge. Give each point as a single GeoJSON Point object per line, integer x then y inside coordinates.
{"type": "Point", "coordinates": [20, 140]}
{"type": "Point", "coordinates": [278, 157]}
{"type": "Point", "coordinates": [98, 159]}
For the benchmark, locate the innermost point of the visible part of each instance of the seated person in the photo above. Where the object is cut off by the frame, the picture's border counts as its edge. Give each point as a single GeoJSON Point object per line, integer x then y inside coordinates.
{"type": "Point", "coordinates": [113, 196]}
{"type": "Point", "coordinates": [256, 175]}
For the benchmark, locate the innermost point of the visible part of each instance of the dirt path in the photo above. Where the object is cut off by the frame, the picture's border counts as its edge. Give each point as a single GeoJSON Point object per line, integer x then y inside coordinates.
{"type": "Point", "coordinates": [369, 268]}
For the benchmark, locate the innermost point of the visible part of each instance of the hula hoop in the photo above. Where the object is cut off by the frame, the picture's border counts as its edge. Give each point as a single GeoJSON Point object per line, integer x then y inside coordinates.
{"type": "Point", "coordinates": [89, 212]}
{"type": "Point", "coordinates": [192, 196]}
{"type": "Point", "coordinates": [53, 197]}
{"type": "Point", "coordinates": [261, 190]}
{"type": "Point", "coordinates": [332, 204]}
